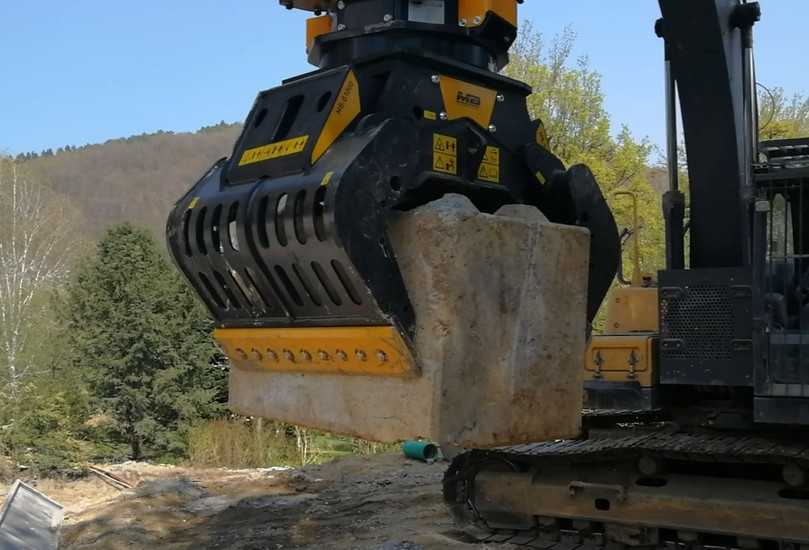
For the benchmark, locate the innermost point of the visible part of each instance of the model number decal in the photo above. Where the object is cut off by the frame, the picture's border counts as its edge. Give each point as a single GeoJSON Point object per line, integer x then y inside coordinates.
{"type": "Point", "coordinates": [275, 150]}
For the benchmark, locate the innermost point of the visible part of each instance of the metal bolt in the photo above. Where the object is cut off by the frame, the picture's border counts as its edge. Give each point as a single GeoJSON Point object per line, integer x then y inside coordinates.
{"type": "Point", "coordinates": [256, 353]}
{"type": "Point", "coordinates": [501, 98]}
{"type": "Point", "coordinates": [272, 355]}
{"type": "Point", "coordinates": [435, 78]}
{"type": "Point", "coordinates": [443, 116]}
{"type": "Point", "coordinates": [341, 5]}
{"type": "Point", "coordinates": [306, 356]}
{"type": "Point", "coordinates": [492, 128]}
{"type": "Point", "coordinates": [289, 356]}
{"type": "Point", "coordinates": [361, 355]}
{"type": "Point", "coordinates": [388, 17]}
{"type": "Point", "coordinates": [341, 355]}
{"type": "Point", "coordinates": [242, 354]}
{"type": "Point", "coordinates": [794, 475]}
{"type": "Point", "coordinates": [341, 27]}
{"type": "Point", "coordinates": [462, 23]}
{"type": "Point", "coordinates": [381, 356]}
{"type": "Point", "coordinates": [322, 355]}
{"type": "Point", "coordinates": [477, 20]}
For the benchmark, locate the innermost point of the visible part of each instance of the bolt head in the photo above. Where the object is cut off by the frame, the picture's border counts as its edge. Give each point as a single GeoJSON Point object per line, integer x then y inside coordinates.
{"type": "Point", "coordinates": [435, 78]}
{"type": "Point", "coordinates": [477, 20]}
{"type": "Point", "coordinates": [322, 355]}
{"type": "Point", "coordinates": [381, 356]}
{"type": "Point", "coordinates": [361, 355]}
{"type": "Point", "coordinates": [387, 18]}
{"type": "Point", "coordinates": [341, 5]}
{"type": "Point", "coordinates": [341, 355]}
{"type": "Point", "coordinates": [341, 27]}
{"type": "Point", "coordinates": [501, 98]}
{"type": "Point", "coordinates": [492, 128]}
{"type": "Point", "coordinates": [443, 116]}
{"type": "Point", "coordinates": [462, 22]}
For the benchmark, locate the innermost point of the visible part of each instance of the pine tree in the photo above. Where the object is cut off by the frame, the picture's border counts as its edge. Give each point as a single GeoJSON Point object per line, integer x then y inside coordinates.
{"type": "Point", "coordinates": [144, 343]}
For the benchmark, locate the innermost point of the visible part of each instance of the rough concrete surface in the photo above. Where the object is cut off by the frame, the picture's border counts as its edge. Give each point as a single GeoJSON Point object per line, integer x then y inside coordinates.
{"type": "Point", "coordinates": [500, 336]}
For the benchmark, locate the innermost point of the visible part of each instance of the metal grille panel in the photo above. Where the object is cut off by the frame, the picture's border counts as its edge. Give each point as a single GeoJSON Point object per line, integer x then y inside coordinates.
{"type": "Point", "coordinates": [694, 322]}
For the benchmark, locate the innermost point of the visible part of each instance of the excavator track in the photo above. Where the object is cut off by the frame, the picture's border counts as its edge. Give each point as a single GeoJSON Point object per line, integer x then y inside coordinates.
{"type": "Point", "coordinates": [638, 485]}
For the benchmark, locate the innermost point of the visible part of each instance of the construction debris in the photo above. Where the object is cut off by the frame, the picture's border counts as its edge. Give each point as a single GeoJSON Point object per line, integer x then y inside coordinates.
{"type": "Point", "coordinates": [500, 335]}
{"type": "Point", "coordinates": [110, 479]}
{"type": "Point", "coordinates": [29, 520]}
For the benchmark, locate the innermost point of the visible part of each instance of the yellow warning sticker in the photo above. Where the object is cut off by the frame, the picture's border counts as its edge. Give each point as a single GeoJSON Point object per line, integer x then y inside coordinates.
{"type": "Point", "coordinates": [275, 150]}
{"type": "Point", "coordinates": [326, 179]}
{"type": "Point", "coordinates": [445, 154]}
{"type": "Point", "coordinates": [430, 115]}
{"type": "Point", "coordinates": [445, 163]}
{"type": "Point", "coordinates": [193, 203]}
{"type": "Point", "coordinates": [489, 172]}
{"type": "Point", "coordinates": [492, 155]}
{"type": "Point", "coordinates": [445, 144]}
{"type": "Point", "coordinates": [490, 167]}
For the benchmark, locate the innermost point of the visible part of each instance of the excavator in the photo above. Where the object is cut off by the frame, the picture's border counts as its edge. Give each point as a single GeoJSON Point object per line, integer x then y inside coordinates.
{"type": "Point", "coordinates": [696, 395]}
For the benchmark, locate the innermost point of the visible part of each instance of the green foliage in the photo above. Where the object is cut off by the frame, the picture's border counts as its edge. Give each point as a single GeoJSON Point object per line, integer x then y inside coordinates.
{"type": "Point", "coordinates": [250, 443]}
{"type": "Point", "coordinates": [143, 343]}
{"type": "Point", "coordinates": [239, 443]}
{"type": "Point", "coordinates": [41, 429]}
{"type": "Point", "coordinates": [783, 117]}
{"type": "Point", "coordinates": [568, 98]}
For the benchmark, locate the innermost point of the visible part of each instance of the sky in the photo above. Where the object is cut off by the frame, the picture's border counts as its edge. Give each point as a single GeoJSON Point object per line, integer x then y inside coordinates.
{"type": "Point", "coordinates": [85, 71]}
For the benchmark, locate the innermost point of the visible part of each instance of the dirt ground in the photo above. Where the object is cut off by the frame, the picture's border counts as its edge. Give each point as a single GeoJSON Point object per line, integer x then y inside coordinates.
{"type": "Point", "coordinates": [382, 502]}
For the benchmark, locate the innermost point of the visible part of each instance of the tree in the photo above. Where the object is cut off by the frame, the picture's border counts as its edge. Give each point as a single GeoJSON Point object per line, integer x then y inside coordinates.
{"type": "Point", "coordinates": [783, 117]}
{"type": "Point", "coordinates": [143, 342]}
{"type": "Point", "coordinates": [37, 241]}
{"type": "Point", "coordinates": [569, 100]}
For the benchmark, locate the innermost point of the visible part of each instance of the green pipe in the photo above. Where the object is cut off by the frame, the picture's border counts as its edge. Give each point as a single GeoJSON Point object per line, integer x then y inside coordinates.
{"type": "Point", "coordinates": [420, 450]}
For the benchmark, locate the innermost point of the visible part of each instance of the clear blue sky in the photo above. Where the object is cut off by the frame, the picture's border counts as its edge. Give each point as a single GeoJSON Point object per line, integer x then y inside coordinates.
{"type": "Point", "coordinates": [84, 71]}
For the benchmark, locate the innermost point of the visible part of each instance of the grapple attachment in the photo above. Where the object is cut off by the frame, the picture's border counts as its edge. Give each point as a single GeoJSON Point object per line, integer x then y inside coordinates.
{"type": "Point", "coordinates": [287, 240]}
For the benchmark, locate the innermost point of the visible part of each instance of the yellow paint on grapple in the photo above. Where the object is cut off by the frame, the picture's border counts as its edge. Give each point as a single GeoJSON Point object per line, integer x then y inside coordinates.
{"type": "Point", "coordinates": [466, 100]}
{"type": "Point", "coordinates": [346, 108]}
{"type": "Point", "coordinates": [473, 12]}
{"type": "Point", "coordinates": [368, 351]}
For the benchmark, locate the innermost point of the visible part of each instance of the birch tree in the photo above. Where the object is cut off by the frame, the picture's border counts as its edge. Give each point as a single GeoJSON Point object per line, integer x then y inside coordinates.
{"type": "Point", "coordinates": [36, 243]}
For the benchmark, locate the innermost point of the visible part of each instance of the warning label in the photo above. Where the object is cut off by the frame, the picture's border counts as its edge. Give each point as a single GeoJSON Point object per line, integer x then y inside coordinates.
{"type": "Point", "coordinates": [445, 154]}
{"type": "Point", "coordinates": [490, 167]}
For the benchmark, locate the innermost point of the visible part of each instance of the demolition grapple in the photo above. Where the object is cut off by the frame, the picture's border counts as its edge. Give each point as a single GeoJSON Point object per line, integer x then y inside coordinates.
{"type": "Point", "coordinates": [286, 241]}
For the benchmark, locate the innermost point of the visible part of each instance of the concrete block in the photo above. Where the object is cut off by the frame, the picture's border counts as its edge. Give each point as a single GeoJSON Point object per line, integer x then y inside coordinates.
{"type": "Point", "coordinates": [500, 303]}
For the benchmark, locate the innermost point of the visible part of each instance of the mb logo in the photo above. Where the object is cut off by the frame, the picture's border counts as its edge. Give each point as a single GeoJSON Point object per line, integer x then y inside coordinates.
{"type": "Point", "coordinates": [468, 99]}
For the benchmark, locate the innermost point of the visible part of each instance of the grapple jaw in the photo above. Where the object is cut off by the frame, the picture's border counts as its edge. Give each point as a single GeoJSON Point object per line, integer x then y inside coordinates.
{"type": "Point", "coordinates": [290, 233]}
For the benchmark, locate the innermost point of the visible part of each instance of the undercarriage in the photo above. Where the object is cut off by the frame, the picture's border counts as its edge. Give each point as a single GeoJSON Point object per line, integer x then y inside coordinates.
{"type": "Point", "coordinates": [644, 484]}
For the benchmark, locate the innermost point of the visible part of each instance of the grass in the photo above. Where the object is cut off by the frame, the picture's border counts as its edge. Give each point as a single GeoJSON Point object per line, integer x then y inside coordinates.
{"type": "Point", "coordinates": [251, 443]}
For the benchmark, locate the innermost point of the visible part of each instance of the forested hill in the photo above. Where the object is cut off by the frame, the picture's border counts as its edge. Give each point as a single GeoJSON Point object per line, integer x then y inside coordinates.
{"type": "Point", "coordinates": [134, 179]}
{"type": "Point", "coordinates": [138, 179]}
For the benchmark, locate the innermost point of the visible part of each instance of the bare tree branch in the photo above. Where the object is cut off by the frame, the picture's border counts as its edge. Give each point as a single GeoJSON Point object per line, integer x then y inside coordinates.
{"type": "Point", "coordinates": [36, 242]}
